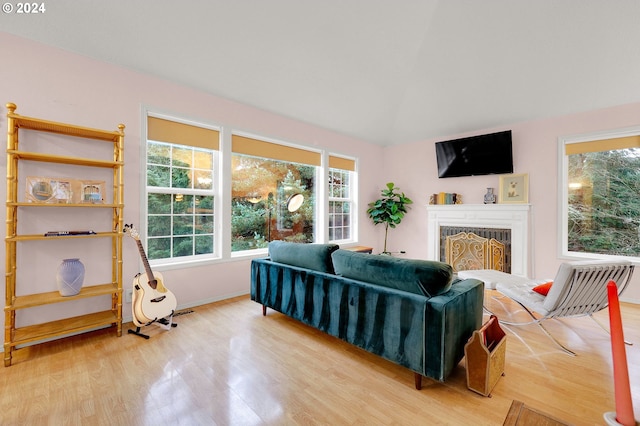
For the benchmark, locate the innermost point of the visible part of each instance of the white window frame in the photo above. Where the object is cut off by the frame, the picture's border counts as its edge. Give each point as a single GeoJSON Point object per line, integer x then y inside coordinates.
{"type": "Point", "coordinates": [222, 188]}
{"type": "Point", "coordinates": [563, 188]}
{"type": "Point", "coordinates": [178, 262]}
{"type": "Point", "coordinates": [351, 199]}
{"type": "Point", "coordinates": [320, 226]}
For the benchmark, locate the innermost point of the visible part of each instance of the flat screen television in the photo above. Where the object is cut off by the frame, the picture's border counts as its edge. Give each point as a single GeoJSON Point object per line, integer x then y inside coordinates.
{"type": "Point", "coordinates": [476, 155]}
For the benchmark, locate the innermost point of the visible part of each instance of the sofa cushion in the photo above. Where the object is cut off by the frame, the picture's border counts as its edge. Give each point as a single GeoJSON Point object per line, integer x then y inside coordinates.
{"type": "Point", "coordinates": [310, 256]}
{"type": "Point", "coordinates": [424, 277]}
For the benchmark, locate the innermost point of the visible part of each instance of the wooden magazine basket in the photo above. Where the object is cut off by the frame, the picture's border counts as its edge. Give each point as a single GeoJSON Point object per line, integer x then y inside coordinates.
{"type": "Point", "coordinates": [485, 355]}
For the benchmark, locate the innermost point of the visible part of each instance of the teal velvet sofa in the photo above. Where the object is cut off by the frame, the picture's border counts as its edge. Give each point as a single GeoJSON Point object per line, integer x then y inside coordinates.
{"type": "Point", "coordinates": [415, 313]}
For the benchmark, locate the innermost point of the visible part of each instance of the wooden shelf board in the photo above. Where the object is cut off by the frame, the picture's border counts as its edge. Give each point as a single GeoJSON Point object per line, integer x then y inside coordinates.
{"type": "Point", "coordinates": [30, 123]}
{"type": "Point", "coordinates": [90, 205]}
{"type": "Point", "coordinates": [39, 299]}
{"type": "Point", "coordinates": [63, 159]}
{"type": "Point", "coordinates": [36, 237]}
{"type": "Point", "coordinates": [35, 332]}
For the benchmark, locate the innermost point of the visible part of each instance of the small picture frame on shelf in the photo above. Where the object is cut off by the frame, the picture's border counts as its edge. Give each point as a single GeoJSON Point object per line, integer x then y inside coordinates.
{"type": "Point", "coordinates": [92, 191]}
{"type": "Point", "coordinates": [514, 189]}
{"type": "Point", "coordinates": [63, 192]}
{"type": "Point", "coordinates": [46, 190]}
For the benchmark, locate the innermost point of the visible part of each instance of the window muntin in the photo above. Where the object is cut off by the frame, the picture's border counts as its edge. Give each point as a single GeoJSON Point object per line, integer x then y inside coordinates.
{"type": "Point", "coordinates": [261, 189]}
{"type": "Point", "coordinates": [180, 201]}
{"type": "Point", "coordinates": [601, 180]}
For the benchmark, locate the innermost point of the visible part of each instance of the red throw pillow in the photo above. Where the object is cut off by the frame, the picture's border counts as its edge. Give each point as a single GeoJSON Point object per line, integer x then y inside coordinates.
{"type": "Point", "coordinates": [543, 289]}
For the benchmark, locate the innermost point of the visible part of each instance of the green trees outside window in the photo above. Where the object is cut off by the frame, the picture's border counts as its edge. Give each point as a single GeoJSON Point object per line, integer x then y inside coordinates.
{"type": "Point", "coordinates": [180, 201]}
{"type": "Point", "coordinates": [603, 204]}
{"type": "Point", "coordinates": [181, 189]}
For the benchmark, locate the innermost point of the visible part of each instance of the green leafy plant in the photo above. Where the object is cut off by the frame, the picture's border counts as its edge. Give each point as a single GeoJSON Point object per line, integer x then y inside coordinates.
{"type": "Point", "coordinates": [389, 210]}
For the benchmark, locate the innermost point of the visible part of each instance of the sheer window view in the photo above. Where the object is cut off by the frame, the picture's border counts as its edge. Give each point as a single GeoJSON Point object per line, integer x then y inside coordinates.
{"type": "Point", "coordinates": [602, 205]}
{"type": "Point", "coordinates": [179, 200]}
{"type": "Point", "coordinates": [271, 200]}
{"type": "Point", "coordinates": [339, 205]}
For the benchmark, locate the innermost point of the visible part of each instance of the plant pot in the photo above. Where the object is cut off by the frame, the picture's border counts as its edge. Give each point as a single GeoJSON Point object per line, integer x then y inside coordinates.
{"type": "Point", "coordinates": [69, 277]}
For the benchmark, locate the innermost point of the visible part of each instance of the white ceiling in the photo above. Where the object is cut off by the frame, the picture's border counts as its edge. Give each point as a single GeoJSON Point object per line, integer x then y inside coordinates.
{"type": "Point", "coordinates": [386, 71]}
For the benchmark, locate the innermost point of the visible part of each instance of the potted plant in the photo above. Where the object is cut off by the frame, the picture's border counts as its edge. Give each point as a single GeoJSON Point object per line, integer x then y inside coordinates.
{"type": "Point", "coordinates": [390, 209]}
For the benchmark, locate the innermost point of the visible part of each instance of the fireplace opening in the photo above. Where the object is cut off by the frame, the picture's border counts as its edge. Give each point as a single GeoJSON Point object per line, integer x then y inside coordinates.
{"type": "Point", "coordinates": [466, 248]}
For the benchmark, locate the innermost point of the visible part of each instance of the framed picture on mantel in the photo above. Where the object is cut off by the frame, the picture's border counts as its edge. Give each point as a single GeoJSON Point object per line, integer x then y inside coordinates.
{"type": "Point", "coordinates": [514, 188]}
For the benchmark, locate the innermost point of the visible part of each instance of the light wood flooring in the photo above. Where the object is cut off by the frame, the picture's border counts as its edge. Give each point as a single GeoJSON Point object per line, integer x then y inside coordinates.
{"type": "Point", "coordinates": [226, 364]}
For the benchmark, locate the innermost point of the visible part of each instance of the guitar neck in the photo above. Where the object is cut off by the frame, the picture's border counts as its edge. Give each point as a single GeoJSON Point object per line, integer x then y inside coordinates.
{"type": "Point", "coordinates": [145, 261]}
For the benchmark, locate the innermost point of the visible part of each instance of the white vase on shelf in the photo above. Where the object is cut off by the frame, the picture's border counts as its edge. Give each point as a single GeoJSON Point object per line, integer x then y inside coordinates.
{"type": "Point", "coordinates": [70, 276]}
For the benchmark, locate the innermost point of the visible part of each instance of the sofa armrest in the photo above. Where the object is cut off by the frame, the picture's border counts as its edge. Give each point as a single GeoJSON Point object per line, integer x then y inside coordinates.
{"type": "Point", "coordinates": [451, 319]}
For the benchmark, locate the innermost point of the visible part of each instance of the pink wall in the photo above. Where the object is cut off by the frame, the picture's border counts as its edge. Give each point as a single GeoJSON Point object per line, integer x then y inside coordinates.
{"type": "Point", "coordinates": [49, 83]}
{"type": "Point", "coordinates": [413, 168]}
{"type": "Point", "coordinates": [54, 84]}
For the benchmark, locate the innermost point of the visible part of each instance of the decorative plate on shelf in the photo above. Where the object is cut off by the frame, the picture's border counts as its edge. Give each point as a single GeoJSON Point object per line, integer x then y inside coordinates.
{"type": "Point", "coordinates": [41, 190]}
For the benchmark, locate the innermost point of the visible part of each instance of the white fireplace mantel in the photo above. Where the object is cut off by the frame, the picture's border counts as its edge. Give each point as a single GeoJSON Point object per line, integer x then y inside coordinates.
{"type": "Point", "coordinates": [516, 217]}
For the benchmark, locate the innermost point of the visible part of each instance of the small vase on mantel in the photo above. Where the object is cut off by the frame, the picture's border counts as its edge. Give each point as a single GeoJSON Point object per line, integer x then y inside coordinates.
{"type": "Point", "coordinates": [489, 197]}
{"type": "Point", "coordinates": [69, 277]}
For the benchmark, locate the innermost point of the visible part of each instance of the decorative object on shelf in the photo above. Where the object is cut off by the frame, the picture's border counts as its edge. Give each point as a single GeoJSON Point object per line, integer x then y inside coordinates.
{"type": "Point", "coordinates": [41, 190]}
{"type": "Point", "coordinates": [514, 188]}
{"type": "Point", "coordinates": [68, 233]}
{"type": "Point", "coordinates": [489, 197]}
{"type": "Point", "coordinates": [48, 190]}
{"type": "Point", "coordinates": [390, 209]}
{"type": "Point", "coordinates": [70, 277]}
{"type": "Point", "coordinates": [63, 193]}
{"type": "Point", "coordinates": [57, 190]}
{"type": "Point", "coordinates": [92, 191]}
{"type": "Point", "coordinates": [445, 198]}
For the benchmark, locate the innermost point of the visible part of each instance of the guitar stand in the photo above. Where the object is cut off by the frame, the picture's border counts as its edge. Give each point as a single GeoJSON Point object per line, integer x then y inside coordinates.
{"type": "Point", "coordinates": [165, 323]}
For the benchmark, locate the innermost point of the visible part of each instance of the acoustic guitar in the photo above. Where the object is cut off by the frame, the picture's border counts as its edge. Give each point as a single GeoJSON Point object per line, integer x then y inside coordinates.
{"type": "Point", "coordinates": [151, 300]}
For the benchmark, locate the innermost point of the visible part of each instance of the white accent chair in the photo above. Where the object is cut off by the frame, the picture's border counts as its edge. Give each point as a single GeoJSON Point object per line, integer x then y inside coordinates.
{"type": "Point", "coordinates": [579, 289]}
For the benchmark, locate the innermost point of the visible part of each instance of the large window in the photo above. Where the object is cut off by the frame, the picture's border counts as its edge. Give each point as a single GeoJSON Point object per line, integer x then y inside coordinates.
{"type": "Point", "coordinates": [180, 161]}
{"type": "Point", "coordinates": [211, 197]}
{"type": "Point", "coordinates": [601, 183]}
{"type": "Point", "coordinates": [273, 193]}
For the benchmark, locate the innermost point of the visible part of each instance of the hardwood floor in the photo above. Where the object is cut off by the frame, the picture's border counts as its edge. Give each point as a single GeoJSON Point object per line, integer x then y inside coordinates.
{"type": "Point", "coordinates": [226, 364]}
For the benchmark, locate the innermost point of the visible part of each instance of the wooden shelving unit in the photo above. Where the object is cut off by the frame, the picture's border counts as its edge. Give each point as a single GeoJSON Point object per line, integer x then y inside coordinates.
{"type": "Point", "coordinates": [16, 336]}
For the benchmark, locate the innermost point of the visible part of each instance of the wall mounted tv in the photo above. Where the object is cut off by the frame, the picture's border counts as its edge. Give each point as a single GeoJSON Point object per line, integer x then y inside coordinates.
{"type": "Point", "coordinates": [475, 155]}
